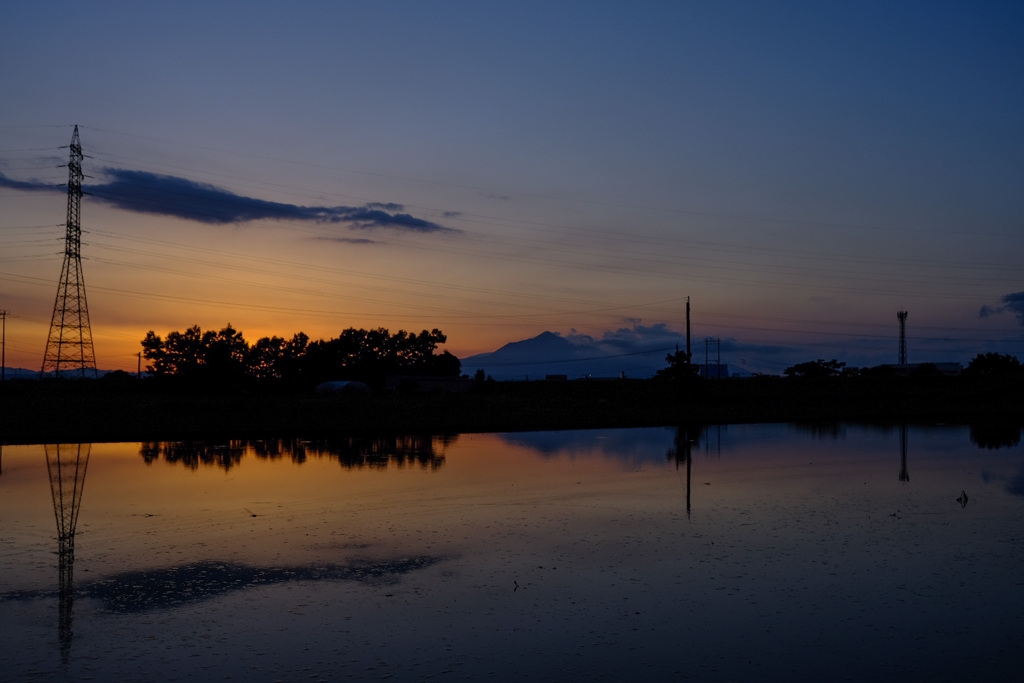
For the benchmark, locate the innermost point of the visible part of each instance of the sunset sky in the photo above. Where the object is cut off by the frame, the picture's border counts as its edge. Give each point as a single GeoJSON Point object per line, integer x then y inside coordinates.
{"type": "Point", "coordinates": [801, 170]}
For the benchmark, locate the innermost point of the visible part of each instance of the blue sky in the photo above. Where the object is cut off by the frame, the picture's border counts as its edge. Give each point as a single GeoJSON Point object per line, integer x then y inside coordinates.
{"type": "Point", "coordinates": [800, 170]}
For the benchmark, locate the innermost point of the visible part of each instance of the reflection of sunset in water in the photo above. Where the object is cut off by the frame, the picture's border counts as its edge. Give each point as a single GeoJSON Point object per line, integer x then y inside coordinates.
{"type": "Point", "coordinates": [266, 509]}
{"type": "Point", "coordinates": [587, 543]}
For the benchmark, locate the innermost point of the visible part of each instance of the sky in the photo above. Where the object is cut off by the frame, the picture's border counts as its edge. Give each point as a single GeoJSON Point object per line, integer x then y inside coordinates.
{"type": "Point", "coordinates": [800, 171]}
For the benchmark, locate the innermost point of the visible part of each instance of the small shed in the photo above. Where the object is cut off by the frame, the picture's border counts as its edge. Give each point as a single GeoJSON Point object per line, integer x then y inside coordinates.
{"type": "Point", "coordinates": [343, 388]}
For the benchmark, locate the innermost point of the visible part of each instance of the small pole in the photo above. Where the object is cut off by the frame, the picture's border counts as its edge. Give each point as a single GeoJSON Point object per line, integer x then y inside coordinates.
{"type": "Point", "coordinates": [3, 347]}
{"type": "Point", "coordinates": [138, 372]}
{"type": "Point", "coordinates": [688, 356]}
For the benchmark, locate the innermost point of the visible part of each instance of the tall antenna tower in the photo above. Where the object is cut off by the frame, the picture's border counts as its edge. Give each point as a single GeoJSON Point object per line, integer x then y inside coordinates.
{"type": "Point", "coordinates": [902, 316]}
{"type": "Point", "coordinates": [69, 347]}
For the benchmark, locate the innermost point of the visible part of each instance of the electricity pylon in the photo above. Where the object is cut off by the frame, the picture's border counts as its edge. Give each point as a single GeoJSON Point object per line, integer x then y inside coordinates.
{"type": "Point", "coordinates": [69, 349]}
{"type": "Point", "coordinates": [66, 465]}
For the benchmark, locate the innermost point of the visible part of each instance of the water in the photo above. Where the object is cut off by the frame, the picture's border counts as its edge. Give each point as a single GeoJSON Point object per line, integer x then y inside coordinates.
{"type": "Point", "coordinates": [745, 552]}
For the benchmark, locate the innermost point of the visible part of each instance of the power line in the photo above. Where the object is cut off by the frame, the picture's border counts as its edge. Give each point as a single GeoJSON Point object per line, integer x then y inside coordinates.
{"type": "Point", "coordinates": [571, 200]}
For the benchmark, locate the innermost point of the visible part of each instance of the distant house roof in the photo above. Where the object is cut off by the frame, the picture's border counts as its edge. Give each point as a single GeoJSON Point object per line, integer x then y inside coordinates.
{"type": "Point", "coordinates": [426, 384]}
{"type": "Point", "coordinates": [907, 368]}
{"type": "Point", "coordinates": [346, 388]}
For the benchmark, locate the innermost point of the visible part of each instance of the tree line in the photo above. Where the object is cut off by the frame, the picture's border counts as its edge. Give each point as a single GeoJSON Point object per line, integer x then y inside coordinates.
{"type": "Point", "coordinates": [356, 355]}
{"type": "Point", "coordinates": [984, 365]}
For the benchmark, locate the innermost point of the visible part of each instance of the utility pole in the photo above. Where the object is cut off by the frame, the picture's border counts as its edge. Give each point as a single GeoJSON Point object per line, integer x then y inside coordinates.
{"type": "Point", "coordinates": [3, 346]}
{"type": "Point", "coordinates": [69, 346]}
{"type": "Point", "coordinates": [688, 356]}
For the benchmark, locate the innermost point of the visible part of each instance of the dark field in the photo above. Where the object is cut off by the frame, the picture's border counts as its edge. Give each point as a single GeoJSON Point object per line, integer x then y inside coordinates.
{"type": "Point", "coordinates": [128, 409]}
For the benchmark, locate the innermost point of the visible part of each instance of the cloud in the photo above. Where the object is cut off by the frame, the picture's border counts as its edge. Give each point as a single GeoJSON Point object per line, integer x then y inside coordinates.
{"type": "Point", "coordinates": [166, 195]}
{"type": "Point", "coordinates": [1015, 303]}
{"type": "Point", "coordinates": [385, 206]}
{"type": "Point", "coordinates": [346, 240]}
{"type": "Point", "coordinates": [639, 339]}
{"type": "Point", "coordinates": [165, 588]}
{"type": "Point", "coordinates": [1011, 302]}
{"type": "Point", "coordinates": [30, 185]}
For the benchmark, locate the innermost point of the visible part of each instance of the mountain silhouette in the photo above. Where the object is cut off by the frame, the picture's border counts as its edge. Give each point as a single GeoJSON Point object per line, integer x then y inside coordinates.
{"type": "Point", "coordinates": [551, 354]}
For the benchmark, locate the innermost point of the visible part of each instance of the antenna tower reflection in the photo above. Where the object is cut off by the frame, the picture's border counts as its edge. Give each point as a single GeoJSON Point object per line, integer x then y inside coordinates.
{"type": "Point", "coordinates": [904, 474]}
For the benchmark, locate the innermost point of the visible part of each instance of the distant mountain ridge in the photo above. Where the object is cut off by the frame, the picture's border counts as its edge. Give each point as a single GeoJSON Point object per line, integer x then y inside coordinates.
{"type": "Point", "coordinates": [551, 354]}
{"type": "Point", "coordinates": [25, 373]}
{"type": "Point", "coordinates": [20, 373]}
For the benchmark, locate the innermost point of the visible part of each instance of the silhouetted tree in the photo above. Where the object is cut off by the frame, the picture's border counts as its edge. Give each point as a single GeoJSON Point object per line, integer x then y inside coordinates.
{"type": "Point", "coordinates": [179, 355]}
{"type": "Point", "coordinates": [369, 355]}
{"type": "Point", "coordinates": [816, 368]}
{"type": "Point", "coordinates": [265, 358]}
{"type": "Point", "coordinates": [225, 355]}
{"type": "Point", "coordinates": [995, 366]}
{"type": "Point", "coordinates": [363, 355]}
{"type": "Point", "coordinates": [679, 367]}
{"type": "Point", "coordinates": [197, 355]}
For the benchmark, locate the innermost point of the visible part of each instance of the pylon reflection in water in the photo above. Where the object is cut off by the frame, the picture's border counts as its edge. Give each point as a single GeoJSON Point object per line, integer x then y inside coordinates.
{"type": "Point", "coordinates": [66, 465]}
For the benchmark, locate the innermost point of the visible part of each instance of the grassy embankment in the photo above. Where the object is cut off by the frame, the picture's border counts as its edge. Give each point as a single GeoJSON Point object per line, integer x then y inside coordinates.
{"type": "Point", "coordinates": [69, 411]}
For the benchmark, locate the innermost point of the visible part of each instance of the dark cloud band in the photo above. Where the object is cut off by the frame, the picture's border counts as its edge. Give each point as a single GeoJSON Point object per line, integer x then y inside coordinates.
{"type": "Point", "coordinates": [165, 195]}
{"type": "Point", "coordinates": [28, 185]}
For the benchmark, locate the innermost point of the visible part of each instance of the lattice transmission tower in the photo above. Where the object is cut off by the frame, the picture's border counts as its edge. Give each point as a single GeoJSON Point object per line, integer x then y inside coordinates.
{"type": "Point", "coordinates": [69, 349]}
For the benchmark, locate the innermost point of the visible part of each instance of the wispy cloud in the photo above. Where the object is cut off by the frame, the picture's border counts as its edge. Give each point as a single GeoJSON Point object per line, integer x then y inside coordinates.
{"type": "Point", "coordinates": [346, 240]}
{"type": "Point", "coordinates": [166, 195]}
{"type": "Point", "coordinates": [1011, 302]}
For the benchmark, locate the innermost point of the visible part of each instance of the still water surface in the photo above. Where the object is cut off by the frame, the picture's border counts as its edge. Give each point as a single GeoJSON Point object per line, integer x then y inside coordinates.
{"type": "Point", "coordinates": [746, 552]}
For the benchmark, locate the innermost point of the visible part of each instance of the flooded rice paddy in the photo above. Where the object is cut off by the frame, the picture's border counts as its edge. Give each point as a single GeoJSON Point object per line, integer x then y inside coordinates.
{"type": "Point", "coordinates": [743, 552]}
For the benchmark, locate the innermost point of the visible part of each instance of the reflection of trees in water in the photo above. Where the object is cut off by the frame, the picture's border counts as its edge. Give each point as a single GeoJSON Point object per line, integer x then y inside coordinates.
{"type": "Point", "coordinates": [192, 454]}
{"type": "Point", "coordinates": [822, 430]}
{"type": "Point", "coordinates": [991, 433]}
{"type": "Point", "coordinates": [994, 435]}
{"type": "Point", "coordinates": [351, 452]}
{"type": "Point", "coordinates": [355, 452]}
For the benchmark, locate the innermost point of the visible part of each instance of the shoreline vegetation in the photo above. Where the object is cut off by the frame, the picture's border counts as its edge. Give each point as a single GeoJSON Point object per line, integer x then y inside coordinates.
{"type": "Point", "coordinates": [127, 409]}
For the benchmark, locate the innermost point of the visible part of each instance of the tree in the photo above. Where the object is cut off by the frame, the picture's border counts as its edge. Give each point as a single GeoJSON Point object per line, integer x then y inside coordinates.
{"type": "Point", "coordinates": [179, 355]}
{"type": "Point", "coordinates": [816, 368]}
{"type": "Point", "coordinates": [679, 366]}
{"type": "Point", "coordinates": [364, 355]}
{"type": "Point", "coordinates": [995, 366]}
{"type": "Point", "coordinates": [445, 364]}
{"type": "Point", "coordinates": [225, 355]}
{"type": "Point", "coordinates": [369, 355]}
{"type": "Point", "coordinates": [198, 355]}
{"type": "Point", "coordinates": [265, 358]}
